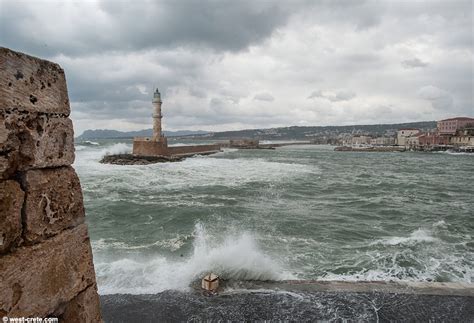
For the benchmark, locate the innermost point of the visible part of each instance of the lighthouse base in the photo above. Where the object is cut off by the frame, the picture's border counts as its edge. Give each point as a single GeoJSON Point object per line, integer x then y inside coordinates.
{"type": "Point", "coordinates": [144, 146]}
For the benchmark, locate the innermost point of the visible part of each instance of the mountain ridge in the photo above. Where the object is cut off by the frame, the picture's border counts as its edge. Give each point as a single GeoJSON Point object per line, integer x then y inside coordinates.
{"type": "Point", "coordinates": [112, 134]}
{"type": "Point", "coordinates": [291, 132]}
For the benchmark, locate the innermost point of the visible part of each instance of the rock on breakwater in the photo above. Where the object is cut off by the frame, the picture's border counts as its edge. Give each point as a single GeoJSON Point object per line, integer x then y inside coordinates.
{"type": "Point", "coordinates": [46, 264]}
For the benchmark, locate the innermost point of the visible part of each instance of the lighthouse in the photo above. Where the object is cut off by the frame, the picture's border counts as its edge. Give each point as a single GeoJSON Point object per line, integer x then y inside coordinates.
{"type": "Point", "coordinates": [157, 145]}
{"type": "Point", "coordinates": [157, 116]}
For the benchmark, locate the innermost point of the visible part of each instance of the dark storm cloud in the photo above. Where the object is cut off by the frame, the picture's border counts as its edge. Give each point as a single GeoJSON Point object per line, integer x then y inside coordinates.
{"type": "Point", "coordinates": [414, 63]}
{"type": "Point", "coordinates": [264, 97]}
{"type": "Point", "coordinates": [130, 26]}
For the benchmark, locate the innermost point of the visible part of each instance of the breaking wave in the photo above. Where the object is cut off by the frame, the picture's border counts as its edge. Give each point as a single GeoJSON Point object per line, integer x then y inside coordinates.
{"type": "Point", "coordinates": [420, 256]}
{"type": "Point", "coordinates": [236, 257]}
{"type": "Point", "coordinates": [116, 149]}
{"type": "Point", "coordinates": [420, 235]}
{"type": "Point", "coordinates": [455, 153]}
{"type": "Point", "coordinates": [90, 143]}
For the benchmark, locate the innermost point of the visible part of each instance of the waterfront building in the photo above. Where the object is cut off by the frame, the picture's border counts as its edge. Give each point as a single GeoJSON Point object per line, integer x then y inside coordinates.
{"type": "Point", "coordinates": [413, 142]}
{"type": "Point", "coordinates": [382, 141]}
{"type": "Point", "coordinates": [360, 140]}
{"type": "Point", "coordinates": [432, 139]}
{"type": "Point", "coordinates": [450, 126]}
{"type": "Point", "coordinates": [405, 133]}
{"type": "Point", "coordinates": [463, 137]}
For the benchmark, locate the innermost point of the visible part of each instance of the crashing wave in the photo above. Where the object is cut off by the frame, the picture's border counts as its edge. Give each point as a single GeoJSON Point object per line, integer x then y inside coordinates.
{"type": "Point", "coordinates": [236, 258]}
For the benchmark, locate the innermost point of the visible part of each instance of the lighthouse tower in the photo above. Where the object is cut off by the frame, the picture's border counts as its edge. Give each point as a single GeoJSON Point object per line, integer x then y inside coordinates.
{"type": "Point", "coordinates": [157, 135]}
{"type": "Point", "coordinates": [157, 145]}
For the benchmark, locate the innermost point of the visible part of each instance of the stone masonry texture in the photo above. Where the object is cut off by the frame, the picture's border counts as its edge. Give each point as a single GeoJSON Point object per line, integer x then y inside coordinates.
{"type": "Point", "coordinates": [43, 276]}
{"type": "Point", "coordinates": [34, 140]}
{"type": "Point", "coordinates": [31, 84]}
{"type": "Point", "coordinates": [53, 202]}
{"type": "Point", "coordinates": [46, 267]}
{"type": "Point", "coordinates": [11, 202]}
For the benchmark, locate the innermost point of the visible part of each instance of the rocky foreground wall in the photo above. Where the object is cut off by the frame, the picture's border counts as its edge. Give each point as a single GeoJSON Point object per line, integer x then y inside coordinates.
{"type": "Point", "coordinates": [46, 264]}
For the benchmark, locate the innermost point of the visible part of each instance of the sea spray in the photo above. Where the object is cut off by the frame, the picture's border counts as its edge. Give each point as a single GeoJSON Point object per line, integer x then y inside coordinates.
{"type": "Point", "coordinates": [417, 236]}
{"type": "Point", "coordinates": [236, 257]}
{"type": "Point", "coordinates": [116, 149]}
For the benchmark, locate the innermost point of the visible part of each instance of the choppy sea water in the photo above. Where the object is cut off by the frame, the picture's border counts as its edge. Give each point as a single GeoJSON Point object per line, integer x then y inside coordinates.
{"type": "Point", "coordinates": [297, 212]}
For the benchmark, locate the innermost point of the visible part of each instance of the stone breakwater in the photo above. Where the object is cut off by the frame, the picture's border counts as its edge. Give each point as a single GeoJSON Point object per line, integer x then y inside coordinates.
{"type": "Point", "coordinates": [46, 266]}
{"type": "Point", "coordinates": [130, 159]}
{"type": "Point", "coordinates": [300, 301]}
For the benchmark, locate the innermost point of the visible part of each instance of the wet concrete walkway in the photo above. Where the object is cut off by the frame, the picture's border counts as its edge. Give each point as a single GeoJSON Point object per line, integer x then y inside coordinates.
{"type": "Point", "coordinates": [300, 301]}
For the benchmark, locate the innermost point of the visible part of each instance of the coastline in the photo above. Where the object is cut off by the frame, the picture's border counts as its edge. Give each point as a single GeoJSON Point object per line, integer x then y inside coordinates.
{"type": "Point", "coordinates": [461, 149]}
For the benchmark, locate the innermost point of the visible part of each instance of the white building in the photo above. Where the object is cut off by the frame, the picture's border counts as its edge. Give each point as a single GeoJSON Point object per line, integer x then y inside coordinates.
{"type": "Point", "coordinates": [360, 140]}
{"type": "Point", "coordinates": [382, 141]}
{"type": "Point", "coordinates": [403, 134]}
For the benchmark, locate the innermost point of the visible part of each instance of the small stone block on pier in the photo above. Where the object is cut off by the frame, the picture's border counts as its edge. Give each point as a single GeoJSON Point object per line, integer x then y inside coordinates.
{"type": "Point", "coordinates": [210, 282]}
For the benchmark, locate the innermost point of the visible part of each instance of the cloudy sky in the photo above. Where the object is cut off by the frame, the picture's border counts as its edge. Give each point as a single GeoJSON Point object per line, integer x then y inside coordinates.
{"type": "Point", "coordinates": [250, 64]}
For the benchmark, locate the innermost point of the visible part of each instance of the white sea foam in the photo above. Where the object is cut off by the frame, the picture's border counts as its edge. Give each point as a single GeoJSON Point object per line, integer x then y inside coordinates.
{"type": "Point", "coordinates": [455, 153]}
{"type": "Point", "coordinates": [190, 173]}
{"type": "Point", "coordinates": [236, 257]}
{"type": "Point", "coordinates": [393, 274]}
{"type": "Point", "coordinates": [87, 143]}
{"type": "Point", "coordinates": [230, 291]}
{"type": "Point", "coordinates": [417, 236]}
{"type": "Point", "coordinates": [116, 149]}
{"type": "Point", "coordinates": [111, 244]}
{"type": "Point", "coordinates": [438, 262]}
{"type": "Point", "coordinates": [440, 224]}
{"type": "Point", "coordinates": [451, 268]}
{"type": "Point", "coordinates": [93, 143]}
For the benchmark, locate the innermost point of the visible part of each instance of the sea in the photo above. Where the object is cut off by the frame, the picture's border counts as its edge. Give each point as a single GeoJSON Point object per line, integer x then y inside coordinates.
{"type": "Point", "coordinates": [297, 212]}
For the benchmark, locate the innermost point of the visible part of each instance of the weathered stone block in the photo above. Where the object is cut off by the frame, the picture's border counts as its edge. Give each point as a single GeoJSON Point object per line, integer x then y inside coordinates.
{"type": "Point", "coordinates": [11, 202]}
{"type": "Point", "coordinates": [36, 280]}
{"type": "Point", "coordinates": [32, 140]}
{"type": "Point", "coordinates": [85, 307]}
{"type": "Point", "coordinates": [31, 84]}
{"type": "Point", "coordinates": [53, 202]}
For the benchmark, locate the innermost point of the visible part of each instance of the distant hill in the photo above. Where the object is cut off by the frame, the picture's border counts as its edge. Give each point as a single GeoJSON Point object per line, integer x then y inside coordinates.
{"type": "Point", "coordinates": [284, 133]}
{"type": "Point", "coordinates": [111, 134]}
{"type": "Point", "coordinates": [308, 133]}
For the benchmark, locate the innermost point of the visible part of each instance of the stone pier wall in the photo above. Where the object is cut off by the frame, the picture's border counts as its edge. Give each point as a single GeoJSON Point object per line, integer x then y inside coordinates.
{"type": "Point", "coordinates": [46, 267]}
{"type": "Point", "coordinates": [143, 147]}
{"type": "Point", "coordinates": [160, 148]}
{"type": "Point", "coordinates": [186, 150]}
